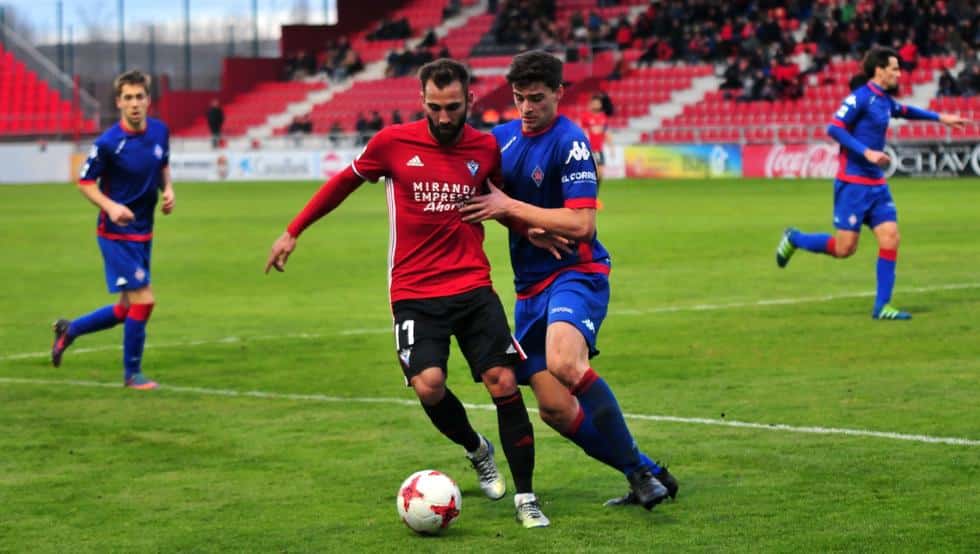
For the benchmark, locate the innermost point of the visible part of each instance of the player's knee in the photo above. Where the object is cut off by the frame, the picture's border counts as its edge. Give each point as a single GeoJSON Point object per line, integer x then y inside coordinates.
{"type": "Point", "coordinates": [565, 370]}
{"type": "Point", "coordinates": [500, 381]}
{"type": "Point", "coordinates": [430, 386]}
{"type": "Point", "coordinates": [553, 417]}
{"type": "Point", "coordinates": [846, 249]}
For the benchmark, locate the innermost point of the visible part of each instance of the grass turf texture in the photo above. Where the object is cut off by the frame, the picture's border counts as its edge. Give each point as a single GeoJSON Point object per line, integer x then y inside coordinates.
{"type": "Point", "coordinates": [102, 469]}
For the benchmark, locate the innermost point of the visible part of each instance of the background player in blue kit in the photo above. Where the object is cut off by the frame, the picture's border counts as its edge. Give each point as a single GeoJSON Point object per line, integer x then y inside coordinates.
{"type": "Point", "coordinates": [125, 170]}
{"type": "Point", "coordinates": [561, 273]}
{"type": "Point", "coordinates": [861, 195]}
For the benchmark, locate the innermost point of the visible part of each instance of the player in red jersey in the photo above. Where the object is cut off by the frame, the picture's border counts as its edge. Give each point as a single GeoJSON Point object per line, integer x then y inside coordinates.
{"type": "Point", "coordinates": [439, 275]}
{"type": "Point", "coordinates": [595, 123]}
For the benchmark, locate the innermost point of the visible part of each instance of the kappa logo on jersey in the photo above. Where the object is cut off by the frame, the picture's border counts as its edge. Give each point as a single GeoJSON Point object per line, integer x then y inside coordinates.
{"type": "Point", "coordinates": [473, 166]}
{"type": "Point", "coordinates": [537, 175]}
{"type": "Point", "coordinates": [158, 152]}
{"type": "Point", "coordinates": [579, 152]}
{"type": "Point", "coordinates": [416, 161]}
{"type": "Point", "coordinates": [589, 325]}
{"type": "Point", "coordinates": [851, 100]}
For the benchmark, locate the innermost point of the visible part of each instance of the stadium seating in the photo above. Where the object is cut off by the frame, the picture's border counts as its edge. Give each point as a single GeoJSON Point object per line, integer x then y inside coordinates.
{"type": "Point", "coordinates": [791, 121]}
{"type": "Point", "coordinates": [29, 106]}
{"type": "Point", "coordinates": [254, 107]}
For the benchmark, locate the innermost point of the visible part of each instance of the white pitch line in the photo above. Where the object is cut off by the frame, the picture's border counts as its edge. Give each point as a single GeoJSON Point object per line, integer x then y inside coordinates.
{"type": "Point", "coordinates": [955, 441]}
{"type": "Point", "coordinates": [625, 312]}
{"type": "Point", "coordinates": [788, 301]}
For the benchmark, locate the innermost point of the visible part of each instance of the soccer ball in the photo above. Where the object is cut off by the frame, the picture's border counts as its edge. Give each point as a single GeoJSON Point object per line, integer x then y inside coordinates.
{"type": "Point", "coordinates": [428, 502]}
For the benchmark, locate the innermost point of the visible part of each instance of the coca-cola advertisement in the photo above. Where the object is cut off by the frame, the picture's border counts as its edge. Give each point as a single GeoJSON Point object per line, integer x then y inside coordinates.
{"type": "Point", "coordinates": [790, 161]}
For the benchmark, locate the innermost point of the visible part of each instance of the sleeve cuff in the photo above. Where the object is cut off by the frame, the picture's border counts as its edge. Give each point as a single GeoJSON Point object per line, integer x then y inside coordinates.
{"type": "Point", "coordinates": [578, 203]}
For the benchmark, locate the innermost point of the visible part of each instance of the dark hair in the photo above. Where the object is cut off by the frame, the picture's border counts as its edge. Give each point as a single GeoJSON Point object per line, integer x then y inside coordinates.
{"type": "Point", "coordinates": [443, 72]}
{"type": "Point", "coordinates": [877, 57]}
{"type": "Point", "coordinates": [536, 66]}
{"type": "Point", "coordinates": [132, 77]}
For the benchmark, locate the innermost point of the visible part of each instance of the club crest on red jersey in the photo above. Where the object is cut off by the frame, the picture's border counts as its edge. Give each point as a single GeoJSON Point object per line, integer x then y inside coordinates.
{"type": "Point", "coordinates": [473, 166]}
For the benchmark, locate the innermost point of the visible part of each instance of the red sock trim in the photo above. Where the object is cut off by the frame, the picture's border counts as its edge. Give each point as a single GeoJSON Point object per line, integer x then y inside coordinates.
{"type": "Point", "coordinates": [585, 382]}
{"type": "Point", "coordinates": [120, 311]}
{"type": "Point", "coordinates": [526, 440]}
{"type": "Point", "coordinates": [886, 254]}
{"type": "Point", "coordinates": [574, 427]}
{"type": "Point", "coordinates": [140, 312]}
{"type": "Point", "coordinates": [504, 400]}
{"type": "Point", "coordinates": [831, 247]}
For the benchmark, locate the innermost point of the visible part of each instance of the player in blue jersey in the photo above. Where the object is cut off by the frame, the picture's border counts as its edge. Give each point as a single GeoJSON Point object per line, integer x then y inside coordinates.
{"type": "Point", "coordinates": [125, 171]}
{"type": "Point", "coordinates": [861, 195]}
{"type": "Point", "coordinates": [561, 273]}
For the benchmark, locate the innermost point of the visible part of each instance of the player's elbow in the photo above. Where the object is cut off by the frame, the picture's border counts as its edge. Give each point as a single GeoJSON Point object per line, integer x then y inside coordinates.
{"type": "Point", "coordinates": [583, 232]}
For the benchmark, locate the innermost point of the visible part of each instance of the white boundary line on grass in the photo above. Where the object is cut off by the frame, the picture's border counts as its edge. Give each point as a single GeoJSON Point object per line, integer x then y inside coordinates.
{"type": "Point", "coordinates": [955, 441]}
{"type": "Point", "coordinates": [625, 312]}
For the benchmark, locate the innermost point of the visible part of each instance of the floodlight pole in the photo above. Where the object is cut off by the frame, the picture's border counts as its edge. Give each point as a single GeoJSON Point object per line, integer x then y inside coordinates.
{"type": "Point", "coordinates": [187, 44]}
{"type": "Point", "coordinates": [122, 36]}
{"type": "Point", "coordinates": [59, 12]}
{"type": "Point", "coordinates": [255, 28]}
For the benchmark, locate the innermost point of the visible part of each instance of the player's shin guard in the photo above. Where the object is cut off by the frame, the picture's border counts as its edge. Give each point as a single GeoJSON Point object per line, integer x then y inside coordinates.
{"type": "Point", "coordinates": [103, 318]}
{"type": "Point", "coordinates": [819, 243]}
{"type": "Point", "coordinates": [598, 401]}
{"type": "Point", "coordinates": [517, 438]}
{"type": "Point", "coordinates": [583, 433]}
{"type": "Point", "coordinates": [887, 259]}
{"type": "Point", "coordinates": [449, 417]}
{"type": "Point", "coordinates": [134, 337]}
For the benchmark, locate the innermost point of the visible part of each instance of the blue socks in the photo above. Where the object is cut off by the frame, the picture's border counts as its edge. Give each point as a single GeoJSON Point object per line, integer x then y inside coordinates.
{"type": "Point", "coordinates": [887, 259]}
{"type": "Point", "coordinates": [134, 337]}
{"type": "Point", "coordinates": [587, 437]}
{"type": "Point", "coordinates": [813, 242]}
{"type": "Point", "coordinates": [103, 318]}
{"type": "Point", "coordinates": [598, 401]}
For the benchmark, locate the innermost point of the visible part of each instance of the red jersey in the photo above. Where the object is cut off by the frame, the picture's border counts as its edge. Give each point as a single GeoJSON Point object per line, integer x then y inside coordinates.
{"type": "Point", "coordinates": [431, 251]}
{"type": "Point", "coordinates": [594, 125]}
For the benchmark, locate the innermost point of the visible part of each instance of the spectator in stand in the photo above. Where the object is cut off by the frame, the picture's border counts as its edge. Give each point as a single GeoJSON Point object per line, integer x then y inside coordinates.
{"type": "Point", "coordinates": [362, 129]}
{"type": "Point", "coordinates": [947, 85]}
{"type": "Point", "coordinates": [452, 9]}
{"type": "Point", "coordinates": [396, 117]}
{"type": "Point", "coordinates": [336, 132]}
{"type": "Point", "coordinates": [375, 124]}
{"type": "Point", "coordinates": [734, 73]}
{"type": "Point", "coordinates": [216, 119]}
{"type": "Point", "coordinates": [391, 30]}
{"type": "Point", "coordinates": [969, 80]}
{"type": "Point", "coordinates": [909, 54]}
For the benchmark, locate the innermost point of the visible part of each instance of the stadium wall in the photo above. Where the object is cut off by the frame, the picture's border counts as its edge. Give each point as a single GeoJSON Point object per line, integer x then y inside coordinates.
{"type": "Point", "coordinates": [58, 162]}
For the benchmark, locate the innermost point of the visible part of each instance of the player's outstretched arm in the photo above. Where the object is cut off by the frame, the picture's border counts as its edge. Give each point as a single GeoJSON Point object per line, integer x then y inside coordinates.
{"type": "Point", "coordinates": [952, 120]}
{"type": "Point", "coordinates": [330, 195]}
{"type": "Point", "coordinates": [577, 224]}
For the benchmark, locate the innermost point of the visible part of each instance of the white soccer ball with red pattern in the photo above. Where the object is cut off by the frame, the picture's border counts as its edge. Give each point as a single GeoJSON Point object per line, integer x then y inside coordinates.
{"type": "Point", "coordinates": [428, 502]}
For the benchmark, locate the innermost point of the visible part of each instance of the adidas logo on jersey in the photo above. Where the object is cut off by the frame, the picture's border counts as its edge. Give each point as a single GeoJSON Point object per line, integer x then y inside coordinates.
{"type": "Point", "coordinates": [416, 161]}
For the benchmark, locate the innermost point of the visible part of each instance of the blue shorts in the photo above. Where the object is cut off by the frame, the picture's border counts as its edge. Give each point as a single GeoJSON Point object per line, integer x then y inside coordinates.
{"type": "Point", "coordinates": [855, 205]}
{"type": "Point", "coordinates": [581, 299]}
{"type": "Point", "coordinates": [127, 264]}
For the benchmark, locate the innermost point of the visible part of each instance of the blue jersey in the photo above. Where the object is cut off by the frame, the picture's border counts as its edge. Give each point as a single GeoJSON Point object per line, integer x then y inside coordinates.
{"type": "Point", "coordinates": [128, 167]}
{"type": "Point", "coordinates": [550, 169]}
{"type": "Point", "coordinates": [865, 115]}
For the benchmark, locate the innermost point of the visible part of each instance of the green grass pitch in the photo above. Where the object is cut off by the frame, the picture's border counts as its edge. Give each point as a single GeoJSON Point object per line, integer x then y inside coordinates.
{"type": "Point", "coordinates": [246, 447]}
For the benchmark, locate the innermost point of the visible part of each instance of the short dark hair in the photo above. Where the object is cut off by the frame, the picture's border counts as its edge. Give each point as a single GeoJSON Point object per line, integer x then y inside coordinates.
{"type": "Point", "coordinates": [443, 72]}
{"type": "Point", "coordinates": [132, 77]}
{"type": "Point", "coordinates": [877, 57]}
{"type": "Point", "coordinates": [535, 66]}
